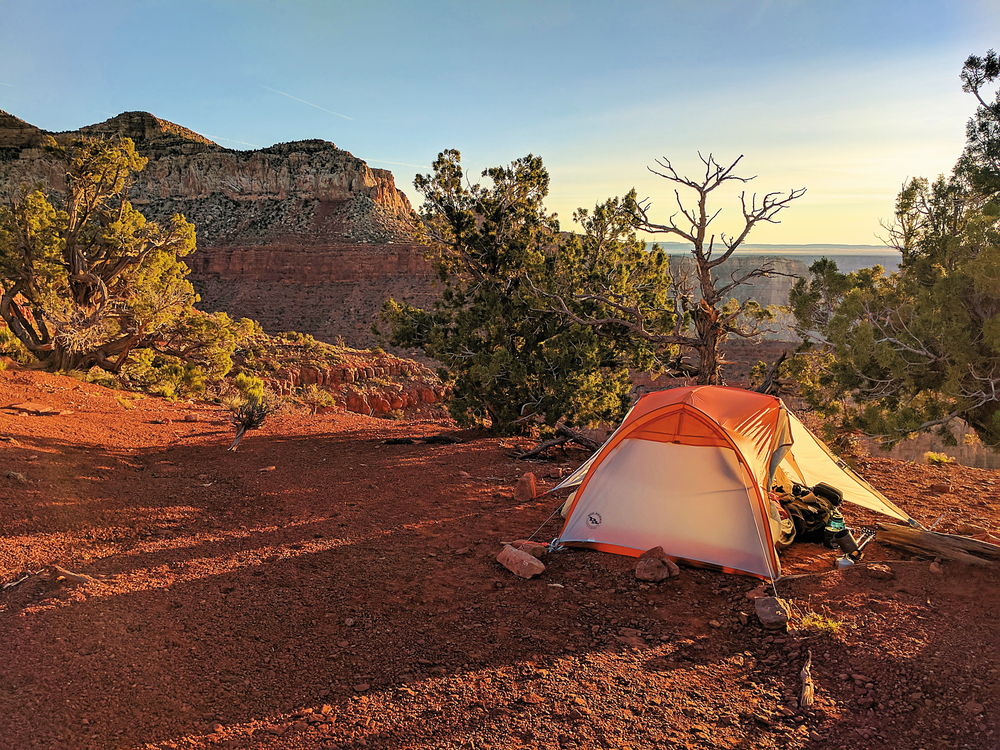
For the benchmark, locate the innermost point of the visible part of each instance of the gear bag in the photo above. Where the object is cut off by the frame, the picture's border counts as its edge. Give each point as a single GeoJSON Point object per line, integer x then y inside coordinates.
{"type": "Point", "coordinates": [810, 510]}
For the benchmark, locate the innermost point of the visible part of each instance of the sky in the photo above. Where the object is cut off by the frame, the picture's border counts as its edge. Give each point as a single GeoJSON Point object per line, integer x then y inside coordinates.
{"type": "Point", "coordinates": [846, 99]}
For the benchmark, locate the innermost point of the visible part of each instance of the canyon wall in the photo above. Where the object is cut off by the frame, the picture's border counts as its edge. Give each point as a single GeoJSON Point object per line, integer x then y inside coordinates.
{"type": "Point", "coordinates": [300, 236]}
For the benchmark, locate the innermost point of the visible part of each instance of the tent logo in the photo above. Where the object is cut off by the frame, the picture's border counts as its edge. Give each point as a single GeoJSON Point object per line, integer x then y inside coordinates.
{"type": "Point", "coordinates": [594, 520]}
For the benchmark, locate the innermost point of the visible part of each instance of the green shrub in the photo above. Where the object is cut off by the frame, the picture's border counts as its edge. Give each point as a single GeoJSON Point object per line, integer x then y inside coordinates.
{"type": "Point", "coordinates": [931, 457]}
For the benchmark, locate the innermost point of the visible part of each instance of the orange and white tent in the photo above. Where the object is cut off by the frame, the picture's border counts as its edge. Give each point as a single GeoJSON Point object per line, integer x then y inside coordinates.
{"type": "Point", "coordinates": [689, 469]}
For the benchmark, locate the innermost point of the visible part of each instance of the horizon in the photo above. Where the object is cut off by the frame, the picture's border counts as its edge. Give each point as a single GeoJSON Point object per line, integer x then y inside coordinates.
{"type": "Point", "coordinates": [847, 100]}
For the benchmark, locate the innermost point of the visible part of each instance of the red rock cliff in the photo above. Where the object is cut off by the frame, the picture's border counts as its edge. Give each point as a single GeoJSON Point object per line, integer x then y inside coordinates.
{"type": "Point", "coordinates": [301, 236]}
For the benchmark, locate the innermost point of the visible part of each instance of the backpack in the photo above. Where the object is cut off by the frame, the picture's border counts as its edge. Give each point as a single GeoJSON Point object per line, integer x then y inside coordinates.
{"type": "Point", "coordinates": [810, 509]}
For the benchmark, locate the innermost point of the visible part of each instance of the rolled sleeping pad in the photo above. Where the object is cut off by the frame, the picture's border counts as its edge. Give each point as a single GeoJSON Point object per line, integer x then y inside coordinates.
{"type": "Point", "coordinates": [827, 492]}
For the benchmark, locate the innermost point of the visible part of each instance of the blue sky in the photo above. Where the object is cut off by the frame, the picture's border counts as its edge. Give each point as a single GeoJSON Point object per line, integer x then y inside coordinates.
{"type": "Point", "coordinates": [845, 98]}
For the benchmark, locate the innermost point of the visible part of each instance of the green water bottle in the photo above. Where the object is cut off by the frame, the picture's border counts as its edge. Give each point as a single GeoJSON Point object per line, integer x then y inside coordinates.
{"type": "Point", "coordinates": [834, 525]}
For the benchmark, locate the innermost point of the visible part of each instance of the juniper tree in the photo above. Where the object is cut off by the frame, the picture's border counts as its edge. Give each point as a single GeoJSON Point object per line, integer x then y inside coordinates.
{"type": "Point", "coordinates": [916, 349]}
{"type": "Point", "coordinates": [510, 360]}
{"type": "Point", "coordinates": [86, 280]}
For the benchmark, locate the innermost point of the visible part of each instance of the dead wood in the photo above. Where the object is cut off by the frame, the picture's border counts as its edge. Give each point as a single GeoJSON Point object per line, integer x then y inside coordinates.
{"type": "Point", "coordinates": [427, 440]}
{"type": "Point", "coordinates": [808, 694]}
{"type": "Point", "coordinates": [770, 385]}
{"type": "Point", "coordinates": [564, 435]}
{"type": "Point", "coordinates": [55, 573]}
{"type": "Point", "coordinates": [936, 544]}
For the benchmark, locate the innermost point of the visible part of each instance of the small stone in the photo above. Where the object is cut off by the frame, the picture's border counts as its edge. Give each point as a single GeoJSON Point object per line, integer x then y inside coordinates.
{"type": "Point", "coordinates": [772, 612]}
{"type": "Point", "coordinates": [880, 572]}
{"type": "Point", "coordinates": [972, 708]}
{"type": "Point", "coordinates": [714, 624]}
{"type": "Point", "coordinates": [216, 726]}
{"type": "Point", "coordinates": [533, 699]}
{"type": "Point", "coordinates": [343, 644]}
{"type": "Point", "coordinates": [756, 593]}
{"type": "Point", "coordinates": [525, 489]}
{"type": "Point", "coordinates": [744, 618]}
{"type": "Point", "coordinates": [464, 475]}
{"type": "Point", "coordinates": [326, 710]}
{"type": "Point", "coordinates": [269, 468]}
{"type": "Point", "coordinates": [520, 563]}
{"type": "Point", "coordinates": [658, 553]}
{"type": "Point", "coordinates": [651, 569]}
{"type": "Point", "coordinates": [349, 621]}
{"type": "Point", "coordinates": [936, 568]}
{"type": "Point", "coordinates": [361, 687]}
{"type": "Point", "coordinates": [535, 549]}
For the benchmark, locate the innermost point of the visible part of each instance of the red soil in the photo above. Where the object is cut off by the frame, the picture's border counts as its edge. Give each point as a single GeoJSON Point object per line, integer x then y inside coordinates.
{"type": "Point", "coordinates": [350, 597]}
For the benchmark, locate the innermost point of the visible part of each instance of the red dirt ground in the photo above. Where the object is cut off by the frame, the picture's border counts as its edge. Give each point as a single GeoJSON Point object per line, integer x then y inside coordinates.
{"type": "Point", "coordinates": [350, 597]}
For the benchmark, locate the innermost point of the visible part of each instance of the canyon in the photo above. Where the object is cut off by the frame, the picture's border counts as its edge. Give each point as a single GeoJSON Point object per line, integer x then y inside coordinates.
{"type": "Point", "coordinates": [299, 236]}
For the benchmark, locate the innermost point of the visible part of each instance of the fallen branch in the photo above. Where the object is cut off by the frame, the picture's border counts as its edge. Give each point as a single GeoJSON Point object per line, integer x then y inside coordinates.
{"type": "Point", "coordinates": [56, 573]}
{"type": "Point", "coordinates": [808, 694]}
{"type": "Point", "coordinates": [936, 544]}
{"type": "Point", "coordinates": [426, 440]}
{"type": "Point", "coordinates": [564, 435]}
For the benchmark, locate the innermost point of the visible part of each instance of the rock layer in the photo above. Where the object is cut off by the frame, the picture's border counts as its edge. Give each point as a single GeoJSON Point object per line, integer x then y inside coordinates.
{"type": "Point", "coordinates": [300, 235]}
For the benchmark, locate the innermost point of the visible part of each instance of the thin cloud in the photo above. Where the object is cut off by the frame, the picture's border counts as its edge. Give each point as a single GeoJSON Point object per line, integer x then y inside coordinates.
{"type": "Point", "coordinates": [8, 84]}
{"type": "Point", "coordinates": [230, 140]}
{"type": "Point", "coordinates": [397, 163]}
{"type": "Point", "coordinates": [309, 103]}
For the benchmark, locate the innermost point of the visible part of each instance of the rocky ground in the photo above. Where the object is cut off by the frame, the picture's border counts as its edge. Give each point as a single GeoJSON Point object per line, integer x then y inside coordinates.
{"type": "Point", "coordinates": [319, 589]}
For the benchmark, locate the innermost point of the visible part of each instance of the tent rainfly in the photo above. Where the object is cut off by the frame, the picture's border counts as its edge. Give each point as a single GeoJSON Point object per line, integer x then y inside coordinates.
{"type": "Point", "coordinates": [689, 469]}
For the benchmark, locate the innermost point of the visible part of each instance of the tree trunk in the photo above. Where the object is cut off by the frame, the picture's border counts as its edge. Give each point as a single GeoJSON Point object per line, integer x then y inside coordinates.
{"type": "Point", "coordinates": [706, 322]}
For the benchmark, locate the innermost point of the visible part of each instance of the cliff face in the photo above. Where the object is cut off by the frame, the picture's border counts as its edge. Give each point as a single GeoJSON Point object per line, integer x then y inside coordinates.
{"type": "Point", "coordinates": [295, 235]}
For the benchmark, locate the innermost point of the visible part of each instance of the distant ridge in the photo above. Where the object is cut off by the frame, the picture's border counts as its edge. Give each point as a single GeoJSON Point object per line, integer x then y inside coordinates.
{"type": "Point", "coordinates": [810, 249]}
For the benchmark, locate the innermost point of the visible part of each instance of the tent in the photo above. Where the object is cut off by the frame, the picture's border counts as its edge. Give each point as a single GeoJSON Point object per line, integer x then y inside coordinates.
{"type": "Point", "coordinates": [689, 469]}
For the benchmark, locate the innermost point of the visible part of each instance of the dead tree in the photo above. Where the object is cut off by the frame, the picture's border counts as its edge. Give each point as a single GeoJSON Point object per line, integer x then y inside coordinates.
{"type": "Point", "coordinates": [712, 320]}
{"type": "Point", "coordinates": [704, 313]}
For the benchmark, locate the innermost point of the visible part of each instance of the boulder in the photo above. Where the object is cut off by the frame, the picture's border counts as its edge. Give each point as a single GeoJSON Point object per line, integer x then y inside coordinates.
{"type": "Point", "coordinates": [772, 612]}
{"type": "Point", "coordinates": [525, 489]}
{"type": "Point", "coordinates": [519, 562]}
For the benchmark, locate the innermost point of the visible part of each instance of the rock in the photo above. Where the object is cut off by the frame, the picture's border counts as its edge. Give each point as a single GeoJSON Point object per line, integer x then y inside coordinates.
{"type": "Point", "coordinates": [16, 476]}
{"type": "Point", "coordinates": [651, 569]}
{"type": "Point", "coordinates": [880, 572]}
{"type": "Point", "coordinates": [756, 593]}
{"type": "Point", "coordinates": [714, 624]}
{"type": "Point", "coordinates": [525, 489]}
{"type": "Point", "coordinates": [361, 687]}
{"type": "Point", "coordinates": [972, 708]}
{"type": "Point", "coordinates": [520, 563]}
{"type": "Point", "coordinates": [535, 549]}
{"type": "Point", "coordinates": [941, 488]}
{"type": "Point", "coordinates": [268, 468]}
{"type": "Point", "coordinates": [772, 612]}
{"type": "Point", "coordinates": [936, 568]}
{"type": "Point", "coordinates": [657, 553]}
